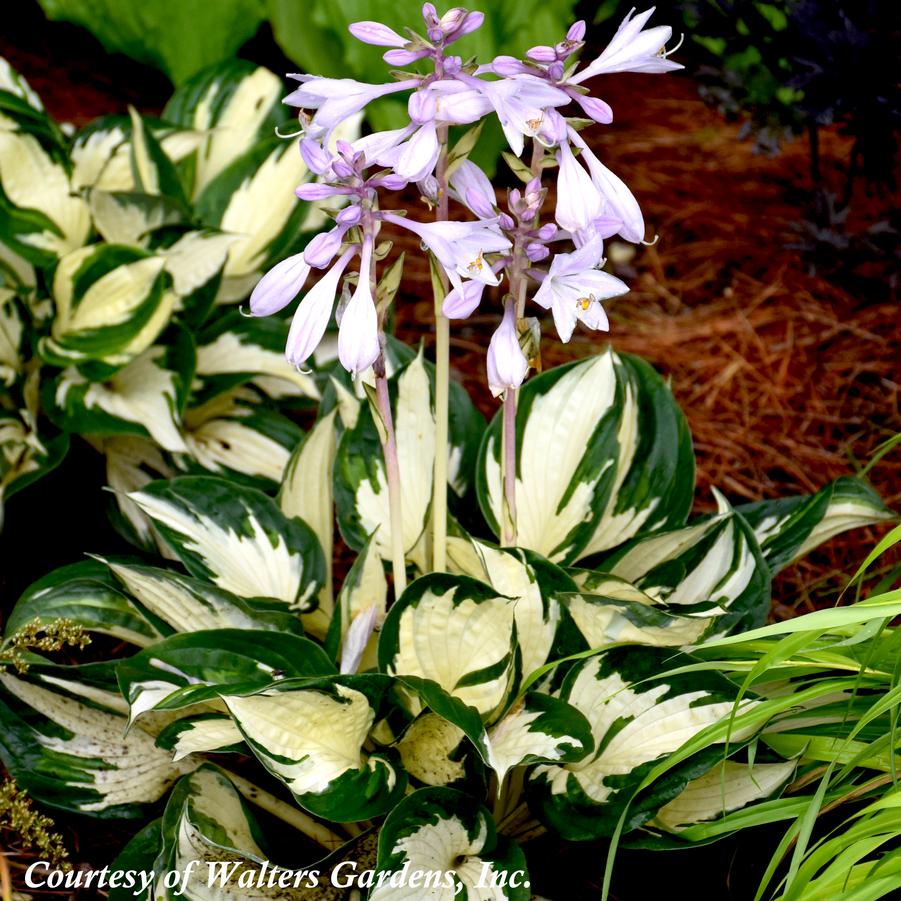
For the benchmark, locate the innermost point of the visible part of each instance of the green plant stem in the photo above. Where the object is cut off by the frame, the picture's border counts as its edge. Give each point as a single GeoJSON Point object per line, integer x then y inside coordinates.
{"type": "Point", "coordinates": [508, 450]}
{"type": "Point", "coordinates": [392, 473]}
{"type": "Point", "coordinates": [311, 828]}
{"type": "Point", "coordinates": [442, 377]}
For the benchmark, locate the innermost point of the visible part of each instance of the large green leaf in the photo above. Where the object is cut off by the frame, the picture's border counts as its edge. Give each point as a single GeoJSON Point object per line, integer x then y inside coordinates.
{"type": "Point", "coordinates": [791, 527]}
{"type": "Point", "coordinates": [311, 735]}
{"type": "Point", "coordinates": [85, 594]}
{"type": "Point", "coordinates": [457, 632]}
{"type": "Point", "coordinates": [237, 538]}
{"type": "Point", "coordinates": [603, 454]}
{"type": "Point", "coordinates": [637, 717]}
{"type": "Point", "coordinates": [449, 840]}
{"type": "Point", "coordinates": [180, 37]}
{"type": "Point", "coordinates": [76, 756]}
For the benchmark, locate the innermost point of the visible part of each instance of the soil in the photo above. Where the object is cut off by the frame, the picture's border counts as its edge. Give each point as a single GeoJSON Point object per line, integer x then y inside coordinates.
{"type": "Point", "coordinates": [784, 362]}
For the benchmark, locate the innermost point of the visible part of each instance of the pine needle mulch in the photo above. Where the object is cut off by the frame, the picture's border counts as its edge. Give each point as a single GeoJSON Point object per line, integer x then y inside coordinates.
{"type": "Point", "coordinates": [788, 380]}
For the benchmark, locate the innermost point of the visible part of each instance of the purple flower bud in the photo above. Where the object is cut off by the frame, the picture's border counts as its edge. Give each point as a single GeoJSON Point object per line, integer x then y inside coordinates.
{"type": "Point", "coordinates": [507, 365]}
{"type": "Point", "coordinates": [452, 19]}
{"type": "Point", "coordinates": [346, 149]}
{"type": "Point", "coordinates": [461, 304]}
{"type": "Point", "coordinates": [322, 248]}
{"type": "Point", "coordinates": [376, 33]}
{"type": "Point", "coordinates": [316, 191]}
{"type": "Point", "coordinates": [506, 222]}
{"type": "Point", "coordinates": [429, 13]}
{"type": "Point", "coordinates": [595, 109]}
{"type": "Point", "coordinates": [315, 156]}
{"type": "Point", "coordinates": [392, 182]}
{"type": "Point", "coordinates": [403, 57]}
{"type": "Point", "coordinates": [507, 66]}
{"type": "Point", "coordinates": [428, 188]}
{"type": "Point", "coordinates": [349, 216]}
{"type": "Point", "coordinates": [536, 252]}
{"type": "Point", "coordinates": [472, 22]}
{"type": "Point", "coordinates": [542, 54]}
{"type": "Point", "coordinates": [478, 204]}
{"type": "Point", "coordinates": [566, 49]}
{"type": "Point", "coordinates": [547, 232]}
{"type": "Point", "coordinates": [435, 33]}
{"type": "Point", "coordinates": [342, 168]}
{"type": "Point", "coordinates": [279, 286]}
{"type": "Point", "coordinates": [452, 65]}
{"type": "Point", "coordinates": [555, 70]}
{"type": "Point", "coordinates": [422, 106]}
{"type": "Point", "coordinates": [553, 127]}
{"type": "Point", "coordinates": [576, 31]}
{"type": "Point", "coordinates": [514, 198]}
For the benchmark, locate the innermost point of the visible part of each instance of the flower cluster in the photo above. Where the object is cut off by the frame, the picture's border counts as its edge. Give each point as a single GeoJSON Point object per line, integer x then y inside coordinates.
{"type": "Point", "coordinates": [528, 96]}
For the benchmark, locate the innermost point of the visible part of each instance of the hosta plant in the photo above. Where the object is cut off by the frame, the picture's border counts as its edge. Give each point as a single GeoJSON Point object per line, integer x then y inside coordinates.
{"type": "Point", "coordinates": [124, 249]}
{"type": "Point", "coordinates": [515, 645]}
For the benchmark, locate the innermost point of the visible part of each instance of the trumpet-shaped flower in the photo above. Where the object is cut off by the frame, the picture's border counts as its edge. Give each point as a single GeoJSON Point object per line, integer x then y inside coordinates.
{"type": "Point", "coordinates": [579, 202]}
{"type": "Point", "coordinates": [279, 286]}
{"type": "Point", "coordinates": [358, 333]}
{"type": "Point", "coordinates": [460, 247]}
{"type": "Point", "coordinates": [632, 50]}
{"type": "Point", "coordinates": [573, 290]}
{"type": "Point", "coordinates": [507, 364]}
{"type": "Point", "coordinates": [472, 187]}
{"type": "Point", "coordinates": [311, 318]}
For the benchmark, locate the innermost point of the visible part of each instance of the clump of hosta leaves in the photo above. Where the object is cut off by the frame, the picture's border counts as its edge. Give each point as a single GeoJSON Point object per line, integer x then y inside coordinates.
{"type": "Point", "coordinates": [125, 248]}
{"type": "Point", "coordinates": [553, 686]}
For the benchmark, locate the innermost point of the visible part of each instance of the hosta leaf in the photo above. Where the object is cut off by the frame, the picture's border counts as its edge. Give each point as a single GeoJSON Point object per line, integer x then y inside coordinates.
{"type": "Point", "coordinates": [609, 610]}
{"type": "Point", "coordinates": [234, 104]}
{"type": "Point", "coordinates": [360, 483]}
{"type": "Point", "coordinates": [538, 728]}
{"type": "Point", "coordinates": [153, 172]}
{"type": "Point", "coordinates": [306, 492]}
{"type": "Point", "coordinates": [726, 787]}
{"type": "Point", "coordinates": [85, 594]}
{"type": "Point", "coordinates": [191, 605]}
{"type": "Point", "coordinates": [18, 100]}
{"type": "Point", "coordinates": [361, 608]}
{"type": "Point", "coordinates": [24, 455]}
{"type": "Point", "coordinates": [791, 527]}
{"type": "Point", "coordinates": [128, 217]}
{"type": "Point", "coordinates": [112, 302]}
{"type": "Point", "coordinates": [535, 584]}
{"type": "Point", "coordinates": [602, 453]}
{"type": "Point", "coordinates": [94, 158]}
{"type": "Point", "coordinates": [311, 736]}
{"type": "Point", "coordinates": [202, 733]}
{"type": "Point", "coordinates": [434, 751]}
{"type": "Point", "coordinates": [237, 538]}
{"type": "Point", "coordinates": [449, 838]}
{"type": "Point", "coordinates": [12, 327]}
{"type": "Point", "coordinates": [143, 399]}
{"type": "Point", "coordinates": [77, 757]}
{"type": "Point", "coordinates": [234, 435]}
{"type": "Point", "coordinates": [637, 717]}
{"type": "Point", "coordinates": [253, 347]}
{"type": "Point", "coordinates": [195, 667]}
{"type": "Point", "coordinates": [457, 632]}
{"type": "Point", "coordinates": [195, 260]}
{"type": "Point", "coordinates": [40, 215]}
{"type": "Point", "coordinates": [712, 567]}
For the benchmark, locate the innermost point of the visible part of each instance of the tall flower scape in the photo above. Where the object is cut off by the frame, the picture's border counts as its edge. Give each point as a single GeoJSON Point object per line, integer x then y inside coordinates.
{"type": "Point", "coordinates": [491, 690]}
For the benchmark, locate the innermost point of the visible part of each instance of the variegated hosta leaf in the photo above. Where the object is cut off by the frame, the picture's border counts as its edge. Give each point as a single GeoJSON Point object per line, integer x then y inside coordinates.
{"type": "Point", "coordinates": [711, 567]}
{"type": "Point", "coordinates": [24, 455]}
{"type": "Point", "coordinates": [153, 172]}
{"type": "Point", "coordinates": [311, 735]}
{"type": "Point", "coordinates": [144, 399]}
{"type": "Point", "coordinates": [100, 157]}
{"type": "Point", "coordinates": [608, 610]}
{"type": "Point", "coordinates": [233, 435]}
{"type": "Point", "coordinates": [195, 667]}
{"type": "Point", "coordinates": [205, 732]}
{"type": "Point", "coordinates": [43, 217]}
{"type": "Point", "coordinates": [434, 751]}
{"type": "Point", "coordinates": [191, 605]}
{"type": "Point", "coordinates": [77, 757]}
{"type": "Point", "coordinates": [129, 218]}
{"type": "Point", "coordinates": [637, 717]}
{"type": "Point", "coordinates": [18, 100]}
{"type": "Point", "coordinates": [534, 583]}
{"type": "Point", "coordinates": [726, 787]}
{"type": "Point", "coordinates": [538, 728]}
{"type": "Point", "coordinates": [450, 838]}
{"type": "Point", "coordinates": [791, 527]}
{"type": "Point", "coordinates": [459, 633]}
{"type": "Point", "coordinates": [12, 328]}
{"type": "Point", "coordinates": [112, 302]}
{"type": "Point", "coordinates": [306, 492]}
{"type": "Point", "coordinates": [85, 594]}
{"type": "Point", "coordinates": [237, 538]}
{"type": "Point", "coordinates": [361, 491]}
{"type": "Point", "coordinates": [234, 106]}
{"type": "Point", "coordinates": [361, 608]}
{"type": "Point", "coordinates": [603, 454]}
{"type": "Point", "coordinates": [252, 347]}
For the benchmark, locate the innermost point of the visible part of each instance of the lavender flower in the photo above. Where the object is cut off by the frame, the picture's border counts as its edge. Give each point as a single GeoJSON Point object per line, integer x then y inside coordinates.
{"type": "Point", "coordinates": [507, 364]}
